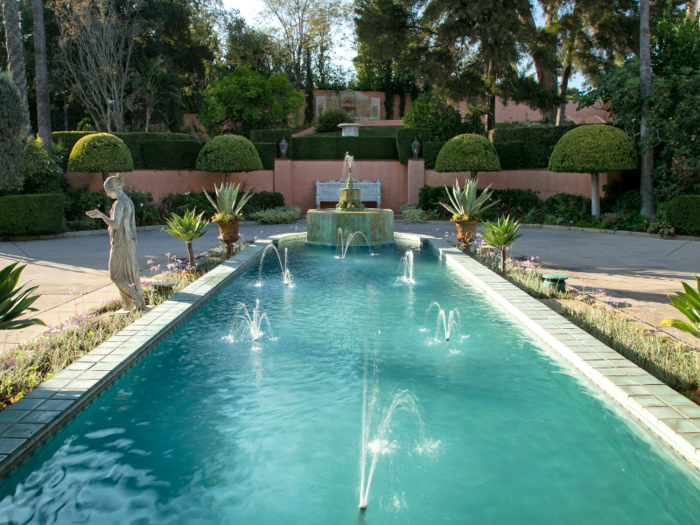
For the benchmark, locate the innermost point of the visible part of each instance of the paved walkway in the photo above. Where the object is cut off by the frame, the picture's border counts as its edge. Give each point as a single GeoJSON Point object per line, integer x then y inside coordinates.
{"type": "Point", "coordinates": [72, 272]}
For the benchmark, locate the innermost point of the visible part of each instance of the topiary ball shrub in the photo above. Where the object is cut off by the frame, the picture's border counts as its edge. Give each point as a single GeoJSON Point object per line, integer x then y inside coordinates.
{"type": "Point", "coordinates": [229, 154]}
{"type": "Point", "coordinates": [13, 129]}
{"type": "Point", "coordinates": [595, 148]}
{"type": "Point", "coordinates": [467, 152]}
{"type": "Point", "coordinates": [100, 153]}
{"type": "Point", "coordinates": [684, 214]}
{"type": "Point", "coordinates": [329, 120]}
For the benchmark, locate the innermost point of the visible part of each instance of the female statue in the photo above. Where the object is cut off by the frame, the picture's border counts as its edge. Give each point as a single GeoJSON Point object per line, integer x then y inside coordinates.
{"type": "Point", "coordinates": [123, 266]}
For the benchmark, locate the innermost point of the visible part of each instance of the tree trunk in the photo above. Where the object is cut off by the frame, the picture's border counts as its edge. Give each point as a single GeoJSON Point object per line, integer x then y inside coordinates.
{"type": "Point", "coordinates": [43, 103]}
{"type": "Point", "coordinates": [563, 88]}
{"type": "Point", "coordinates": [595, 196]}
{"type": "Point", "coordinates": [15, 56]}
{"type": "Point", "coordinates": [191, 254]}
{"type": "Point", "coordinates": [473, 175]}
{"type": "Point", "coordinates": [503, 260]}
{"type": "Point", "coordinates": [647, 164]}
{"type": "Point", "coordinates": [491, 117]}
{"type": "Point", "coordinates": [148, 119]}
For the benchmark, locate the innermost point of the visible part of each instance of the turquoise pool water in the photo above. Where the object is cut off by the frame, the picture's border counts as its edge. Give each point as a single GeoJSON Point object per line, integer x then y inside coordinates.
{"type": "Point", "coordinates": [493, 428]}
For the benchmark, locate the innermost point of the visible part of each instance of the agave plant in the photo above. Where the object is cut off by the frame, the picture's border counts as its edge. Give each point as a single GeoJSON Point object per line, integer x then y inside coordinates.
{"type": "Point", "coordinates": [187, 228]}
{"type": "Point", "coordinates": [687, 303]}
{"type": "Point", "coordinates": [500, 235]}
{"type": "Point", "coordinates": [465, 204]}
{"type": "Point", "coordinates": [14, 301]}
{"type": "Point", "coordinates": [228, 206]}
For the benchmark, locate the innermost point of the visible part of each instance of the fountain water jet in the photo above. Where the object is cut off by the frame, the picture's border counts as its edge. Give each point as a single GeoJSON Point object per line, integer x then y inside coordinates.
{"type": "Point", "coordinates": [447, 322]}
{"type": "Point", "coordinates": [407, 267]}
{"type": "Point", "coordinates": [345, 242]}
{"type": "Point", "coordinates": [286, 274]}
{"type": "Point", "coordinates": [243, 324]}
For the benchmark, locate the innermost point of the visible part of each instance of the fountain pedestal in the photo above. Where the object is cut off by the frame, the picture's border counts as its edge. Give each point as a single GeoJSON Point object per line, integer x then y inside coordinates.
{"type": "Point", "coordinates": [376, 224]}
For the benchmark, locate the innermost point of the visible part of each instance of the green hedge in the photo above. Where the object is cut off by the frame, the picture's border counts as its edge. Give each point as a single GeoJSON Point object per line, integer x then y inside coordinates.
{"type": "Point", "coordinates": [170, 154]}
{"type": "Point", "coordinates": [430, 153]}
{"type": "Point", "coordinates": [275, 136]}
{"type": "Point", "coordinates": [268, 154]}
{"type": "Point", "coordinates": [526, 148]}
{"type": "Point", "coordinates": [324, 147]}
{"type": "Point", "coordinates": [684, 214]}
{"type": "Point", "coordinates": [31, 214]}
{"type": "Point", "coordinates": [404, 138]}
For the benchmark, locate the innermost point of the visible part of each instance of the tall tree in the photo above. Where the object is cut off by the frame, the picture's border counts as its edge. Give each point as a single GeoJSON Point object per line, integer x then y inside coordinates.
{"type": "Point", "coordinates": [13, 43]}
{"type": "Point", "coordinates": [43, 103]}
{"type": "Point", "coordinates": [647, 160]}
{"type": "Point", "coordinates": [155, 84]}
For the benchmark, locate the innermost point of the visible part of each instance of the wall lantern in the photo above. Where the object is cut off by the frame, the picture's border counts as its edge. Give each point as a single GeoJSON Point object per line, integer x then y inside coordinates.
{"type": "Point", "coordinates": [415, 147]}
{"type": "Point", "coordinates": [283, 148]}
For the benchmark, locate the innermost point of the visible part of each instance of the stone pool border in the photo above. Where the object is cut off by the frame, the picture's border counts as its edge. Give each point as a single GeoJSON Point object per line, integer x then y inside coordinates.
{"type": "Point", "coordinates": [31, 421]}
{"type": "Point", "coordinates": [668, 414]}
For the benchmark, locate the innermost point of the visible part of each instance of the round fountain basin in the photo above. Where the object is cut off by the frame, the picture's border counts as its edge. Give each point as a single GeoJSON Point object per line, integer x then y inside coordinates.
{"type": "Point", "coordinates": [376, 225]}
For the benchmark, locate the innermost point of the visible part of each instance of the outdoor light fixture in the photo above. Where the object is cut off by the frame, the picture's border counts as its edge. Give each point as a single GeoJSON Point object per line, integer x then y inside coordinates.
{"type": "Point", "coordinates": [283, 148]}
{"type": "Point", "coordinates": [415, 147]}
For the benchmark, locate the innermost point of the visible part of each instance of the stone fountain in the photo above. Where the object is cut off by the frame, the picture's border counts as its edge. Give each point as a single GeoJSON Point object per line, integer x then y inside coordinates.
{"type": "Point", "coordinates": [350, 216]}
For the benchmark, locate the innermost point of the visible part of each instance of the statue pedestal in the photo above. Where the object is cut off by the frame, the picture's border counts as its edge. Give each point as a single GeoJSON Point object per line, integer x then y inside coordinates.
{"type": "Point", "coordinates": [376, 224]}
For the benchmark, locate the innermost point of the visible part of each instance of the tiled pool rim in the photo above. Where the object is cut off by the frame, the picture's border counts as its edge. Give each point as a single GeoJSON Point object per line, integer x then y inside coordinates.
{"type": "Point", "coordinates": [27, 424]}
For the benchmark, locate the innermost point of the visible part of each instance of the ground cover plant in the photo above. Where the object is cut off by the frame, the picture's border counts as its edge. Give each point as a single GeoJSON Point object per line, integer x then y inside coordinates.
{"type": "Point", "coordinates": [281, 215]}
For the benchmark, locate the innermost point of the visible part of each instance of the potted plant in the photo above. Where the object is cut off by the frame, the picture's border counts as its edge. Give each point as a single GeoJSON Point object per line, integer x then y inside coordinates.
{"type": "Point", "coordinates": [466, 208]}
{"type": "Point", "coordinates": [228, 208]}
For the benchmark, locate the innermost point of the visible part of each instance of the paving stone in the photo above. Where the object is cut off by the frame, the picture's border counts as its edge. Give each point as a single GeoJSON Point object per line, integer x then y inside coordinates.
{"type": "Point", "coordinates": [25, 404]}
{"type": "Point", "coordinates": [648, 401]}
{"type": "Point", "coordinates": [692, 412]}
{"type": "Point", "coordinates": [22, 430]}
{"type": "Point", "coordinates": [12, 416]}
{"type": "Point", "coordinates": [661, 390]}
{"type": "Point", "coordinates": [70, 393]}
{"type": "Point", "coordinates": [56, 404]}
{"type": "Point", "coordinates": [9, 445]}
{"type": "Point", "coordinates": [69, 374]}
{"type": "Point", "coordinates": [675, 400]}
{"type": "Point", "coordinates": [80, 365]}
{"type": "Point", "coordinates": [94, 374]}
{"type": "Point", "coordinates": [624, 380]}
{"type": "Point", "coordinates": [665, 412]}
{"type": "Point", "coordinates": [82, 383]}
{"type": "Point", "coordinates": [680, 426]}
{"type": "Point", "coordinates": [4, 426]}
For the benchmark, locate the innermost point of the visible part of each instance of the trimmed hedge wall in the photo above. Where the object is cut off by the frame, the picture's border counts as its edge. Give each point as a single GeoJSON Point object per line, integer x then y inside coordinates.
{"type": "Point", "coordinates": [526, 148]}
{"type": "Point", "coordinates": [430, 153]}
{"type": "Point", "coordinates": [31, 214]}
{"type": "Point", "coordinates": [267, 152]}
{"type": "Point", "coordinates": [275, 136]}
{"type": "Point", "coordinates": [170, 154]}
{"type": "Point", "coordinates": [404, 138]}
{"type": "Point", "coordinates": [325, 147]}
{"type": "Point", "coordinates": [684, 214]}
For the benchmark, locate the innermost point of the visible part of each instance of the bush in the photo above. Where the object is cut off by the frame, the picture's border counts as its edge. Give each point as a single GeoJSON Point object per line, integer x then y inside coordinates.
{"type": "Point", "coordinates": [404, 139]}
{"type": "Point", "coordinates": [569, 208]}
{"type": "Point", "coordinates": [181, 203]}
{"type": "Point", "coordinates": [684, 214]}
{"type": "Point", "coordinates": [82, 200]}
{"type": "Point", "coordinates": [100, 153]}
{"type": "Point", "coordinates": [430, 153]}
{"type": "Point", "coordinates": [42, 173]}
{"type": "Point", "coordinates": [13, 128]}
{"type": "Point", "coordinates": [229, 154]}
{"type": "Point", "coordinates": [430, 197]}
{"type": "Point", "coordinates": [275, 136]}
{"type": "Point", "coordinates": [268, 154]}
{"type": "Point", "coordinates": [282, 215]}
{"type": "Point", "coordinates": [435, 114]}
{"type": "Point", "coordinates": [467, 152]}
{"type": "Point", "coordinates": [31, 214]}
{"type": "Point", "coordinates": [595, 148]}
{"type": "Point", "coordinates": [264, 200]}
{"type": "Point", "coordinates": [169, 155]}
{"type": "Point", "coordinates": [414, 215]}
{"type": "Point", "coordinates": [512, 202]}
{"type": "Point", "coordinates": [329, 120]}
{"type": "Point", "coordinates": [144, 211]}
{"type": "Point", "coordinates": [526, 148]}
{"type": "Point", "coordinates": [325, 147]}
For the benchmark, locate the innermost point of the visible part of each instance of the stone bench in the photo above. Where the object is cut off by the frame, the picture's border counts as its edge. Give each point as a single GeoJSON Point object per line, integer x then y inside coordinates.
{"type": "Point", "coordinates": [330, 191]}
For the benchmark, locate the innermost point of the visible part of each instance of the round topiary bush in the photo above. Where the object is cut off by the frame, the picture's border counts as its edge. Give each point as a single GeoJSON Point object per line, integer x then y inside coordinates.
{"type": "Point", "coordinates": [467, 152]}
{"type": "Point", "coordinates": [101, 153]}
{"type": "Point", "coordinates": [329, 120]}
{"type": "Point", "coordinates": [13, 128]}
{"type": "Point", "coordinates": [229, 154]}
{"type": "Point", "coordinates": [594, 149]}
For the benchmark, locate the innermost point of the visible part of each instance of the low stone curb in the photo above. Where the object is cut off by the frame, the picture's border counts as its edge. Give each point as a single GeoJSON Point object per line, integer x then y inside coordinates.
{"type": "Point", "coordinates": [671, 416]}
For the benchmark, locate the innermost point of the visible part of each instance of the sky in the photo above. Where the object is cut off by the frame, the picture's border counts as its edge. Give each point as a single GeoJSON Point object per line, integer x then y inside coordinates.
{"type": "Point", "coordinates": [250, 10]}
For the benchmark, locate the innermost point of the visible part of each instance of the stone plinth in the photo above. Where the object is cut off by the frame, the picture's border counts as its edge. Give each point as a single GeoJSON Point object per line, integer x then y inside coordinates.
{"type": "Point", "coordinates": [376, 224]}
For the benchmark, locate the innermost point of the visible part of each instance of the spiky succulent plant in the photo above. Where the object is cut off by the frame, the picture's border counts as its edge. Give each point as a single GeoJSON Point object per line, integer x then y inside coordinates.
{"type": "Point", "coordinates": [465, 204]}
{"type": "Point", "coordinates": [228, 206]}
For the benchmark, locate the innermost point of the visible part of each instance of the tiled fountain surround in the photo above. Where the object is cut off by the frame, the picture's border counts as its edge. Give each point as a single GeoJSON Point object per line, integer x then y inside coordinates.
{"type": "Point", "coordinates": [25, 425]}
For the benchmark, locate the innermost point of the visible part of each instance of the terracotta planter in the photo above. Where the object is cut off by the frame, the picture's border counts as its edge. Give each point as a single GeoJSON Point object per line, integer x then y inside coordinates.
{"type": "Point", "coordinates": [228, 234]}
{"type": "Point", "coordinates": [466, 231]}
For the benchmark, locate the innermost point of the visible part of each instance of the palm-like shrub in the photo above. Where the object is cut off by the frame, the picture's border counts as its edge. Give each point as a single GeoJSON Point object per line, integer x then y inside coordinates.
{"type": "Point", "coordinates": [229, 154]}
{"type": "Point", "coordinates": [187, 228]}
{"type": "Point", "coordinates": [500, 235]}
{"type": "Point", "coordinates": [465, 204]}
{"type": "Point", "coordinates": [14, 301]}
{"type": "Point", "coordinates": [100, 153]}
{"type": "Point", "coordinates": [687, 303]}
{"type": "Point", "coordinates": [13, 128]}
{"type": "Point", "coordinates": [228, 206]}
{"type": "Point", "coordinates": [468, 152]}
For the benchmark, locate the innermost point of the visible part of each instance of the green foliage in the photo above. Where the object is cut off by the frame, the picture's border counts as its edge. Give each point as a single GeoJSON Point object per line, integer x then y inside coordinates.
{"type": "Point", "coordinates": [512, 202]}
{"type": "Point", "coordinates": [466, 205]}
{"type": "Point", "coordinates": [282, 215]}
{"type": "Point", "coordinates": [187, 228]}
{"type": "Point", "coordinates": [675, 43]}
{"type": "Point", "coordinates": [247, 100]}
{"type": "Point", "coordinates": [684, 214]}
{"type": "Point", "coordinates": [275, 136]}
{"type": "Point", "coordinates": [414, 215]}
{"type": "Point", "coordinates": [14, 301]}
{"type": "Point", "coordinates": [227, 205]}
{"type": "Point", "coordinates": [500, 235]}
{"type": "Point", "coordinates": [570, 208]}
{"type": "Point", "coordinates": [268, 154]}
{"type": "Point", "coordinates": [331, 147]}
{"type": "Point", "coordinates": [430, 153]}
{"type": "Point", "coordinates": [31, 214]}
{"type": "Point", "coordinates": [13, 129]}
{"type": "Point", "coordinates": [439, 116]}
{"type": "Point", "coordinates": [329, 120]}
{"type": "Point", "coordinates": [145, 213]}
{"type": "Point", "coordinates": [100, 153]}
{"type": "Point", "coordinates": [263, 200]}
{"type": "Point", "coordinates": [80, 201]}
{"type": "Point", "coordinates": [596, 148]}
{"type": "Point", "coordinates": [41, 172]}
{"type": "Point", "coordinates": [169, 155]}
{"type": "Point", "coordinates": [430, 197]}
{"type": "Point", "coordinates": [404, 139]}
{"type": "Point", "coordinates": [521, 148]}
{"type": "Point", "coordinates": [229, 154]}
{"type": "Point", "coordinates": [687, 303]}
{"type": "Point", "coordinates": [467, 153]}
